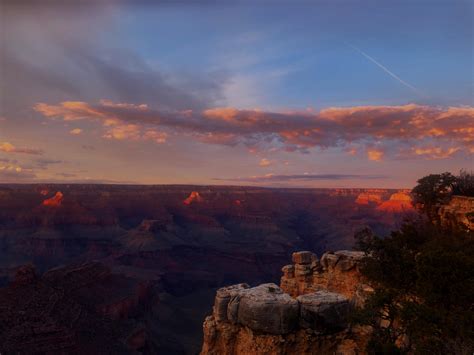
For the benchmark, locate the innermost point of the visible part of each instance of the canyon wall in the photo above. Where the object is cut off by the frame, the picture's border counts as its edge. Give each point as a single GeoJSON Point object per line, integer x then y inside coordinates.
{"type": "Point", "coordinates": [307, 314]}
{"type": "Point", "coordinates": [460, 209]}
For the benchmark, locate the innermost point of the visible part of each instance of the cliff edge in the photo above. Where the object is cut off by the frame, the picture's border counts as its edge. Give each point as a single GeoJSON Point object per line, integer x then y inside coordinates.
{"type": "Point", "coordinates": [306, 314]}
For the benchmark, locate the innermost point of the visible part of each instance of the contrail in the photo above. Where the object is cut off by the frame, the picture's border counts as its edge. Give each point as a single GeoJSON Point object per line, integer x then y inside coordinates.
{"type": "Point", "coordinates": [385, 69]}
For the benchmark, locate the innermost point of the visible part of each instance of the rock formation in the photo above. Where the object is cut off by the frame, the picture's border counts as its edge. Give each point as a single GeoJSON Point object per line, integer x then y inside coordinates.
{"type": "Point", "coordinates": [459, 210]}
{"type": "Point", "coordinates": [54, 201]}
{"type": "Point", "coordinates": [335, 272]}
{"type": "Point", "coordinates": [77, 309]}
{"type": "Point", "coordinates": [398, 202]}
{"type": "Point", "coordinates": [193, 197]}
{"type": "Point", "coordinates": [365, 198]}
{"type": "Point", "coordinates": [148, 233]}
{"type": "Point", "coordinates": [307, 315]}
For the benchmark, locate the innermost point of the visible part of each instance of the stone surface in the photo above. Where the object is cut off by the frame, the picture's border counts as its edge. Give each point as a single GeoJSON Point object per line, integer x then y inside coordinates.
{"type": "Point", "coordinates": [224, 338]}
{"type": "Point", "coordinates": [302, 269]}
{"type": "Point", "coordinates": [329, 260]}
{"type": "Point", "coordinates": [288, 271]}
{"type": "Point", "coordinates": [223, 297]}
{"type": "Point", "coordinates": [323, 311]}
{"type": "Point", "coordinates": [310, 318]}
{"type": "Point", "coordinates": [303, 257]}
{"type": "Point", "coordinates": [336, 272]}
{"type": "Point", "coordinates": [348, 259]}
{"type": "Point", "coordinates": [267, 309]}
{"type": "Point", "coordinates": [459, 210]}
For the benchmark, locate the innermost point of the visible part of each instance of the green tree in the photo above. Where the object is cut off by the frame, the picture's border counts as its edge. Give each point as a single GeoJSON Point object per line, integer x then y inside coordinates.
{"type": "Point", "coordinates": [423, 277]}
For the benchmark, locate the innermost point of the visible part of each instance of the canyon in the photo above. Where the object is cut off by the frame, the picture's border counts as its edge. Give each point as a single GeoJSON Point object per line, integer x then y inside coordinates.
{"type": "Point", "coordinates": [155, 255]}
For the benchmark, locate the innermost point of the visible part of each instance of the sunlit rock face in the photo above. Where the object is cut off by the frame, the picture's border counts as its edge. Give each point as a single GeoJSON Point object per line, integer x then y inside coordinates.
{"type": "Point", "coordinates": [193, 197]}
{"type": "Point", "coordinates": [308, 314]}
{"type": "Point", "coordinates": [335, 272]}
{"type": "Point", "coordinates": [459, 210]}
{"type": "Point", "coordinates": [54, 201]}
{"type": "Point", "coordinates": [366, 197]}
{"type": "Point", "coordinates": [398, 202]}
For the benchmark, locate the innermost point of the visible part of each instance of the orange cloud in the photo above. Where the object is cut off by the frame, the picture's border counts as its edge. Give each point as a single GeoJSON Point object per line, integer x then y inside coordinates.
{"type": "Point", "coordinates": [69, 110]}
{"type": "Point", "coordinates": [436, 152]}
{"type": "Point", "coordinates": [265, 162]}
{"type": "Point", "coordinates": [10, 148]}
{"type": "Point", "coordinates": [390, 127]}
{"type": "Point", "coordinates": [156, 136]}
{"type": "Point", "coordinates": [75, 131]}
{"type": "Point", "coordinates": [375, 154]}
{"type": "Point", "coordinates": [123, 131]}
{"type": "Point", "coordinates": [15, 173]}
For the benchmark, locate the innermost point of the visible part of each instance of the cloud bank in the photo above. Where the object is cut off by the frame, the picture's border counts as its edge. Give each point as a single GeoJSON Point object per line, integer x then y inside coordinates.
{"type": "Point", "coordinates": [397, 131]}
{"type": "Point", "coordinates": [300, 177]}
{"type": "Point", "coordinates": [7, 147]}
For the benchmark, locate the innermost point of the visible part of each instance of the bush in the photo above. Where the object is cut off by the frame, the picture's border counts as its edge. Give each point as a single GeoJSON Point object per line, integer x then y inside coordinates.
{"type": "Point", "coordinates": [423, 277]}
{"type": "Point", "coordinates": [464, 184]}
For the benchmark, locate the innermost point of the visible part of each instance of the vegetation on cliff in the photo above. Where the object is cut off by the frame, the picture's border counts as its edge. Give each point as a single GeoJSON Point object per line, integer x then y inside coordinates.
{"type": "Point", "coordinates": [436, 189]}
{"type": "Point", "coordinates": [423, 275]}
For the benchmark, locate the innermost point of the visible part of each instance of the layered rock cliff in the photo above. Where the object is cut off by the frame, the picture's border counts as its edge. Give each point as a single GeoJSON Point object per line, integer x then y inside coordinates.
{"type": "Point", "coordinates": [460, 209]}
{"type": "Point", "coordinates": [307, 314]}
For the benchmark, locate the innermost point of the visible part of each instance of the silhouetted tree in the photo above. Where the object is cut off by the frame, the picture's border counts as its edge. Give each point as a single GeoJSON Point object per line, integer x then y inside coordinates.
{"type": "Point", "coordinates": [464, 184]}
{"type": "Point", "coordinates": [423, 277]}
{"type": "Point", "coordinates": [431, 191]}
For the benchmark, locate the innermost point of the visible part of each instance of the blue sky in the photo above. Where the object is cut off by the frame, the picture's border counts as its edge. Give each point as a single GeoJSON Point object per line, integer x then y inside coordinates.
{"type": "Point", "coordinates": [377, 93]}
{"type": "Point", "coordinates": [304, 51]}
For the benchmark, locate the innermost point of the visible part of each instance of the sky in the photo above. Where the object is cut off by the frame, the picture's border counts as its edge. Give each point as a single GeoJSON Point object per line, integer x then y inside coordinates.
{"type": "Point", "coordinates": [342, 93]}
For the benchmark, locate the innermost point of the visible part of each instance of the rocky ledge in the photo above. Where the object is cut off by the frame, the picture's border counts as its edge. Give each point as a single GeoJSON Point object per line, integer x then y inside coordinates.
{"type": "Point", "coordinates": [335, 272]}
{"type": "Point", "coordinates": [459, 210]}
{"type": "Point", "coordinates": [307, 315]}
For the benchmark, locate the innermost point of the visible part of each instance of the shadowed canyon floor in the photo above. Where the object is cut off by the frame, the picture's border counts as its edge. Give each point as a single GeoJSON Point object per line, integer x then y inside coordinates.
{"type": "Point", "coordinates": [153, 256]}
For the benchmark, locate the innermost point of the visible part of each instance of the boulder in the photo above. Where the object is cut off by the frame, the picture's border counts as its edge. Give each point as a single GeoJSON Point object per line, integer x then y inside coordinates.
{"type": "Point", "coordinates": [223, 297]}
{"type": "Point", "coordinates": [303, 257]}
{"type": "Point", "coordinates": [348, 259]}
{"type": "Point", "coordinates": [323, 311]}
{"type": "Point", "coordinates": [329, 260]}
{"type": "Point", "coordinates": [267, 309]}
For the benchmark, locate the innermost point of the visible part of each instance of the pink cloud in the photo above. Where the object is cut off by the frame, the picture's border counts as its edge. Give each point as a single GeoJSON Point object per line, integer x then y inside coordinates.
{"type": "Point", "coordinates": [7, 147]}
{"type": "Point", "coordinates": [265, 163]}
{"type": "Point", "coordinates": [390, 127]}
{"type": "Point", "coordinates": [375, 154]}
{"type": "Point", "coordinates": [75, 131]}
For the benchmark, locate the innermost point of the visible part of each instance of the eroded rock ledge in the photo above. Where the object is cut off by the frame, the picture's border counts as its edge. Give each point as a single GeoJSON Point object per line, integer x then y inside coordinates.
{"type": "Point", "coordinates": [459, 210]}
{"type": "Point", "coordinates": [306, 315]}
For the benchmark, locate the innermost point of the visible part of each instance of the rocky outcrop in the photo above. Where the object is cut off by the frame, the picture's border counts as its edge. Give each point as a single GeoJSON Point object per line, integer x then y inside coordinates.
{"type": "Point", "coordinates": [323, 311]}
{"type": "Point", "coordinates": [226, 338]}
{"type": "Point", "coordinates": [460, 209]}
{"type": "Point", "coordinates": [365, 198]}
{"type": "Point", "coordinates": [307, 315]}
{"type": "Point", "coordinates": [54, 201]}
{"type": "Point", "coordinates": [335, 272]}
{"type": "Point", "coordinates": [194, 196]}
{"type": "Point", "coordinates": [399, 202]}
